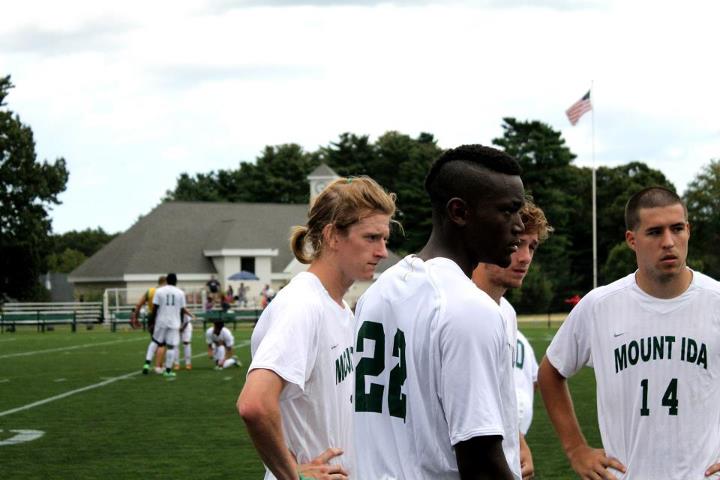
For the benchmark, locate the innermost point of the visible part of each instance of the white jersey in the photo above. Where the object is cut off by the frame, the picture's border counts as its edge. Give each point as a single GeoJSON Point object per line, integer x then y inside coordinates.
{"type": "Point", "coordinates": [169, 301]}
{"type": "Point", "coordinates": [306, 338]}
{"type": "Point", "coordinates": [657, 366]}
{"type": "Point", "coordinates": [526, 370]}
{"type": "Point", "coordinates": [433, 368]}
{"type": "Point", "coordinates": [225, 337]}
{"type": "Point", "coordinates": [526, 367]}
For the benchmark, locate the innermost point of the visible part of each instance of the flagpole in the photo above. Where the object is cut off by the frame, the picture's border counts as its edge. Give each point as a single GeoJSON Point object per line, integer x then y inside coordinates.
{"type": "Point", "coordinates": [594, 195]}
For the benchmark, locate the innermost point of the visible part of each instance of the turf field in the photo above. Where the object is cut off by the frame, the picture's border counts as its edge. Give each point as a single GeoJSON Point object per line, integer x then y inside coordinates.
{"type": "Point", "coordinates": [101, 418]}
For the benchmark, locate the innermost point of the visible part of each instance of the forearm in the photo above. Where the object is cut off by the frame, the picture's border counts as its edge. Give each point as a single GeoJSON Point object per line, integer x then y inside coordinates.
{"type": "Point", "coordinates": [259, 407]}
{"type": "Point", "coordinates": [527, 468]}
{"type": "Point", "coordinates": [559, 405]}
{"type": "Point", "coordinates": [267, 436]}
{"type": "Point", "coordinates": [140, 303]}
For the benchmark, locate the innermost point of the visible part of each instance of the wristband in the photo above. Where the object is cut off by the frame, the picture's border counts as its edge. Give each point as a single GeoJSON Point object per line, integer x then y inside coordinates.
{"type": "Point", "coordinates": [302, 477]}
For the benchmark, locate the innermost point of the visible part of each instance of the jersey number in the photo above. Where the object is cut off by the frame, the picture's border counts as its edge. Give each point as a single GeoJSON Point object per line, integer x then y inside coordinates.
{"type": "Point", "coordinates": [170, 300]}
{"type": "Point", "coordinates": [374, 366]}
{"type": "Point", "coordinates": [669, 400]}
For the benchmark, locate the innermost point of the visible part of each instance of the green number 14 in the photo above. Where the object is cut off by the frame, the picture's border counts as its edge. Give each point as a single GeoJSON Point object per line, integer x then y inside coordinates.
{"type": "Point", "coordinates": [669, 400]}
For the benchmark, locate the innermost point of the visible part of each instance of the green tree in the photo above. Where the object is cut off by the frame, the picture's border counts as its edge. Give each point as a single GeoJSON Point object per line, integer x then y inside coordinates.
{"type": "Point", "coordinates": [65, 261]}
{"type": "Point", "coordinates": [350, 155]}
{"type": "Point", "coordinates": [615, 185]}
{"type": "Point", "coordinates": [702, 198]}
{"type": "Point", "coordinates": [620, 262]}
{"type": "Point", "coordinates": [27, 189]}
{"type": "Point", "coordinates": [552, 181]}
{"type": "Point", "coordinates": [396, 161]}
{"type": "Point", "coordinates": [399, 163]}
{"type": "Point", "coordinates": [86, 241]}
{"type": "Point", "coordinates": [277, 176]}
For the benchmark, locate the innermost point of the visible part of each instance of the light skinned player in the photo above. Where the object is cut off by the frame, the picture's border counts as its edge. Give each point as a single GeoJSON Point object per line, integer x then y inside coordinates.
{"type": "Point", "coordinates": [297, 400]}
{"type": "Point", "coordinates": [495, 281]}
{"type": "Point", "coordinates": [653, 339]}
{"type": "Point", "coordinates": [434, 395]}
{"type": "Point", "coordinates": [147, 301]}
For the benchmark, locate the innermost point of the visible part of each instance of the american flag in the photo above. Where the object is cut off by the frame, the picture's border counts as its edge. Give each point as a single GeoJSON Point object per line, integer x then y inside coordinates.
{"type": "Point", "coordinates": [579, 108]}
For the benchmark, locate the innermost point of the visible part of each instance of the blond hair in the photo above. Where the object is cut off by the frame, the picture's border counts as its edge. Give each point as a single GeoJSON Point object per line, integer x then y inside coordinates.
{"type": "Point", "coordinates": [534, 220]}
{"type": "Point", "coordinates": [342, 203]}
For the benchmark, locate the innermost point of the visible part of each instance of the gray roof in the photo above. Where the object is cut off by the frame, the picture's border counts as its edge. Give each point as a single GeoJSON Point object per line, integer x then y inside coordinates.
{"type": "Point", "coordinates": [173, 237]}
{"type": "Point", "coordinates": [323, 171]}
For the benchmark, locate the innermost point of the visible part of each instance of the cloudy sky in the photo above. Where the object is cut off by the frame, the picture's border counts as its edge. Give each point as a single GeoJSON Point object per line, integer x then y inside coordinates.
{"type": "Point", "coordinates": [134, 93]}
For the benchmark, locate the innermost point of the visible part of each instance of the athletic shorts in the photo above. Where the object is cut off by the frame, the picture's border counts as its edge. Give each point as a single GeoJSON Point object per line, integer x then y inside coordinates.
{"type": "Point", "coordinates": [167, 336]}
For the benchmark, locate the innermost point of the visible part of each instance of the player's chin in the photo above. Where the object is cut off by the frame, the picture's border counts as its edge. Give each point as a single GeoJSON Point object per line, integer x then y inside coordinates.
{"type": "Point", "coordinates": [368, 273]}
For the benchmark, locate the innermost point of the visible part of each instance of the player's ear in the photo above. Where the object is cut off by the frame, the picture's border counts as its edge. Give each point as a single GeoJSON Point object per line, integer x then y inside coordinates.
{"type": "Point", "coordinates": [457, 211]}
{"type": "Point", "coordinates": [329, 235]}
{"type": "Point", "coordinates": [630, 239]}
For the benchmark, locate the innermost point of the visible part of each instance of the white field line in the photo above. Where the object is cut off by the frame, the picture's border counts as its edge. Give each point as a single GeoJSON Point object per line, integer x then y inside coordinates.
{"type": "Point", "coordinates": [7, 340]}
{"type": "Point", "coordinates": [89, 387]}
{"type": "Point", "coordinates": [67, 394]}
{"type": "Point", "coordinates": [62, 349]}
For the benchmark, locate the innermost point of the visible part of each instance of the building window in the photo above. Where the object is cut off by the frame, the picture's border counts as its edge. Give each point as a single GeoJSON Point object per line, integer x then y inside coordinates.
{"type": "Point", "coordinates": [247, 264]}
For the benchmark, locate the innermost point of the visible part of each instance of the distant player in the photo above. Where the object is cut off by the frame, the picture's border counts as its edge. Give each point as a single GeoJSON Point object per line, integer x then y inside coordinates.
{"type": "Point", "coordinates": [653, 340]}
{"type": "Point", "coordinates": [220, 343]}
{"type": "Point", "coordinates": [186, 339]}
{"type": "Point", "coordinates": [297, 400]}
{"type": "Point", "coordinates": [495, 281]}
{"type": "Point", "coordinates": [169, 302]}
{"type": "Point", "coordinates": [434, 395]}
{"type": "Point", "coordinates": [146, 301]}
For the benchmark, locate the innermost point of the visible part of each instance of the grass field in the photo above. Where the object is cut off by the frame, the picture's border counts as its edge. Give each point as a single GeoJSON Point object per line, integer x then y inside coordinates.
{"type": "Point", "coordinates": [101, 418]}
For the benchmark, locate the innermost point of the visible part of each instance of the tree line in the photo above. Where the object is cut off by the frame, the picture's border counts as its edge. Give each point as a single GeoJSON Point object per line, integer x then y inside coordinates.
{"type": "Point", "coordinates": [399, 162]}
{"type": "Point", "coordinates": [563, 265]}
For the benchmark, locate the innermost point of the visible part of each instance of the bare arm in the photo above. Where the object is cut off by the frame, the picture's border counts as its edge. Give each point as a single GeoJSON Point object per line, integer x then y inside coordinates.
{"type": "Point", "coordinates": [259, 407]}
{"type": "Point", "coordinates": [589, 463]}
{"type": "Point", "coordinates": [527, 468]}
{"type": "Point", "coordinates": [134, 322]}
{"type": "Point", "coordinates": [482, 458]}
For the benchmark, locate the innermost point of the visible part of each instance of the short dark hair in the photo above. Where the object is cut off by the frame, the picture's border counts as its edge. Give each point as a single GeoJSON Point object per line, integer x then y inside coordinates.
{"type": "Point", "coordinates": [171, 279]}
{"type": "Point", "coordinates": [649, 197]}
{"type": "Point", "coordinates": [455, 172]}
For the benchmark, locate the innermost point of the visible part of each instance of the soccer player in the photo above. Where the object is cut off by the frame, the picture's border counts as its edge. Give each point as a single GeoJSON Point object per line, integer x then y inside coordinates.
{"type": "Point", "coordinates": [495, 281]}
{"type": "Point", "coordinates": [297, 400]}
{"type": "Point", "coordinates": [220, 343]}
{"type": "Point", "coordinates": [169, 303]}
{"type": "Point", "coordinates": [147, 301]}
{"type": "Point", "coordinates": [652, 339]}
{"type": "Point", "coordinates": [434, 396]}
{"type": "Point", "coordinates": [186, 339]}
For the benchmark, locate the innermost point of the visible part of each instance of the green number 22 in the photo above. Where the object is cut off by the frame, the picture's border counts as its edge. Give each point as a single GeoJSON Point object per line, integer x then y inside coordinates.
{"type": "Point", "coordinates": [374, 366]}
